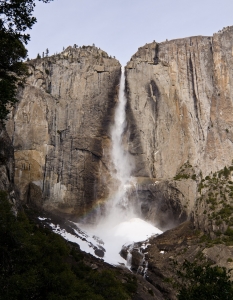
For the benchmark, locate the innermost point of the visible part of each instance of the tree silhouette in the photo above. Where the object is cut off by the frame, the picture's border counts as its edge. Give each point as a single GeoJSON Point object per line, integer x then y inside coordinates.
{"type": "Point", "coordinates": [204, 282]}
{"type": "Point", "coordinates": [15, 18]}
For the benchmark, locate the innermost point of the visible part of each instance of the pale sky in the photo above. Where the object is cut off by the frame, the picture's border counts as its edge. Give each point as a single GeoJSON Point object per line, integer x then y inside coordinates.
{"type": "Point", "coordinates": [119, 27]}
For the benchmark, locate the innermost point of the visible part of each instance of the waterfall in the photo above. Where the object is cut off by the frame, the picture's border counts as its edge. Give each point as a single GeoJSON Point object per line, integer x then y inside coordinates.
{"type": "Point", "coordinates": [120, 224]}
{"type": "Point", "coordinates": [120, 157]}
{"type": "Point", "coordinates": [118, 207]}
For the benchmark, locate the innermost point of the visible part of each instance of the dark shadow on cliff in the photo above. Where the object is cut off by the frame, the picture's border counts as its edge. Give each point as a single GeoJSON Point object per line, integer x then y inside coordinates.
{"type": "Point", "coordinates": [133, 134]}
{"type": "Point", "coordinates": [93, 185]}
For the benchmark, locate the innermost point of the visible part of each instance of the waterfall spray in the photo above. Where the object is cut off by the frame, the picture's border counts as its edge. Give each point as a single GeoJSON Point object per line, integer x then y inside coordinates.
{"type": "Point", "coordinates": [120, 224]}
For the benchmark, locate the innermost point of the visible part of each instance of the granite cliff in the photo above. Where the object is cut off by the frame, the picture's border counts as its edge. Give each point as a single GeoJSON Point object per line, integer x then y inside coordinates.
{"type": "Point", "coordinates": [60, 129]}
{"type": "Point", "coordinates": [179, 134]}
{"type": "Point", "coordinates": [180, 105]}
{"type": "Point", "coordinates": [180, 112]}
{"type": "Point", "coordinates": [179, 117]}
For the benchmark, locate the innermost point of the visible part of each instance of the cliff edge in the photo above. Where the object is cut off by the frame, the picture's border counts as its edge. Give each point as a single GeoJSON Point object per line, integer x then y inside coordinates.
{"type": "Point", "coordinates": [59, 129]}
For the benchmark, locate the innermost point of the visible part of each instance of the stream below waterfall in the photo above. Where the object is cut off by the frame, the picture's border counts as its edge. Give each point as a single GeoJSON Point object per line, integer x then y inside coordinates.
{"type": "Point", "coordinates": [120, 225]}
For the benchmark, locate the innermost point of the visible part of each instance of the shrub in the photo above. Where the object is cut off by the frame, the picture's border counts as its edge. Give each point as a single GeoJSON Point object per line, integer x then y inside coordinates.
{"type": "Point", "coordinates": [204, 282]}
{"type": "Point", "coordinates": [229, 232]}
{"type": "Point", "coordinates": [194, 177]}
{"type": "Point", "coordinates": [181, 176]}
{"type": "Point", "coordinates": [226, 172]}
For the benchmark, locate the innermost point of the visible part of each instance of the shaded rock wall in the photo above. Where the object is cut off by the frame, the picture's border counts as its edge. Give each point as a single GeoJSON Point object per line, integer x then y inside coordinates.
{"type": "Point", "coordinates": [6, 161]}
{"type": "Point", "coordinates": [181, 105]}
{"type": "Point", "coordinates": [7, 170]}
{"type": "Point", "coordinates": [60, 129]}
{"type": "Point", "coordinates": [165, 203]}
{"type": "Point", "coordinates": [168, 202]}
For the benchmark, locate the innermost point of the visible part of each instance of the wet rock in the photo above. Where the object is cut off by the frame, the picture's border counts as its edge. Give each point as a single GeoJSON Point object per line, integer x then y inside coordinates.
{"type": "Point", "coordinates": [99, 252]}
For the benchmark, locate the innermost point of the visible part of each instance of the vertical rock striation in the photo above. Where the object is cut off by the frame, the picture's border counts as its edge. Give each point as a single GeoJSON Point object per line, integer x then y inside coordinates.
{"type": "Point", "coordinates": [59, 129]}
{"type": "Point", "coordinates": [181, 105]}
{"type": "Point", "coordinates": [179, 118]}
{"type": "Point", "coordinates": [180, 115]}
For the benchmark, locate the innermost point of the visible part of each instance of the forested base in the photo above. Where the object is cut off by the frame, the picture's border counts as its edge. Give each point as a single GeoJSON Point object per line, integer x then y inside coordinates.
{"type": "Point", "coordinates": [35, 263]}
{"type": "Point", "coordinates": [38, 264]}
{"type": "Point", "coordinates": [203, 281]}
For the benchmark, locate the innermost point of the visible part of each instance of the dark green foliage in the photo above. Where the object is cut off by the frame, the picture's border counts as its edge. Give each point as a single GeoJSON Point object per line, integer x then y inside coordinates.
{"type": "Point", "coordinates": [105, 284]}
{"type": "Point", "coordinates": [204, 282]}
{"type": "Point", "coordinates": [15, 18]}
{"type": "Point", "coordinates": [12, 51]}
{"type": "Point", "coordinates": [200, 187]}
{"type": "Point", "coordinates": [226, 212]}
{"type": "Point", "coordinates": [218, 208]}
{"type": "Point", "coordinates": [225, 172]}
{"type": "Point", "coordinates": [212, 201]}
{"type": "Point", "coordinates": [181, 176]}
{"type": "Point", "coordinates": [185, 172]}
{"type": "Point", "coordinates": [131, 284]}
{"type": "Point", "coordinates": [229, 232]}
{"type": "Point", "coordinates": [194, 177]}
{"type": "Point", "coordinates": [38, 264]}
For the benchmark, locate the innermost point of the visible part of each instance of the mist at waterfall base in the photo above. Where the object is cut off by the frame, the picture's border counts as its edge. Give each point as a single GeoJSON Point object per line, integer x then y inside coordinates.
{"type": "Point", "coordinates": [121, 224]}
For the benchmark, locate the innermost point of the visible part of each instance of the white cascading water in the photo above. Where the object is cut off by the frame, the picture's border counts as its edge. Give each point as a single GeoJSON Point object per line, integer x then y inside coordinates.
{"type": "Point", "coordinates": [120, 157]}
{"type": "Point", "coordinates": [120, 225]}
{"type": "Point", "coordinates": [118, 208]}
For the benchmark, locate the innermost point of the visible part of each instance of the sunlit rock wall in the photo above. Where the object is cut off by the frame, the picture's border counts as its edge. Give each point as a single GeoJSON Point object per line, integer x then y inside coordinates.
{"type": "Point", "coordinates": [180, 111]}
{"type": "Point", "coordinates": [180, 108]}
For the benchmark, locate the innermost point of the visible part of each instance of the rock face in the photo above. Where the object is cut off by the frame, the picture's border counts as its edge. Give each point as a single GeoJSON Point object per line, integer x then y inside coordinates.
{"type": "Point", "coordinates": [213, 212]}
{"type": "Point", "coordinates": [6, 161]}
{"type": "Point", "coordinates": [165, 203]}
{"type": "Point", "coordinates": [60, 130]}
{"type": "Point", "coordinates": [179, 118]}
{"type": "Point", "coordinates": [7, 170]}
{"type": "Point", "coordinates": [180, 107]}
